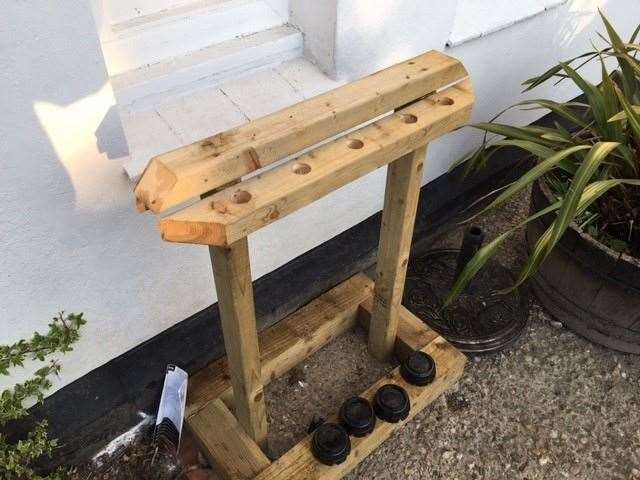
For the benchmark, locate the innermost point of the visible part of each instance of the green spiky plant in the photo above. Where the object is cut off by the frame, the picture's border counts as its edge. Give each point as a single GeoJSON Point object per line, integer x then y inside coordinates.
{"type": "Point", "coordinates": [590, 162]}
{"type": "Point", "coordinates": [18, 456]}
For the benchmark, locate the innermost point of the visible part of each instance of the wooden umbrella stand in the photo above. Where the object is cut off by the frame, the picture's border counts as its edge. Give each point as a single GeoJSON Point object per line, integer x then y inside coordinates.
{"type": "Point", "coordinates": [414, 103]}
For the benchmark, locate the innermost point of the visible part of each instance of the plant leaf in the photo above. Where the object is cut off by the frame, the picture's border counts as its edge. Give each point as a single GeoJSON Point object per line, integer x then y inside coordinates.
{"type": "Point", "coordinates": [517, 133]}
{"type": "Point", "coordinates": [595, 98]}
{"type": "Point", "coordinates": [485, 253]}
{"type": "Point", "coordinates": [532, 175]}
{"type": "Point", "coordinates": [613, 132]}
{"type": "Point", "coordinates": [627, 155]}
{"type": "Point", "coordinates": [536, 149]}
{"type": "Point", "coordinates": [567, 212]}
{"type": "Point", "coordinates": [623, 115]}
{"type": "Point", "coordinates": [635, 34]}
{"type": "Point", "coordinates": [556, 137]}
{"type": "Point", "coordinates": [591, 193]}
{"type": "Point", "coordinates": [560, 109]}
{"type": "Point", "coordinates": [474, 266]}
{"type": "Point", "coordinates": [626, 62]}
{"type": "Point", "coordinates": [633, 118]}
{"type": "Point", "coordinates": [539, 151]}
{"type": "Point", "coordinates": [555, 71]}
{"type": "Point", "coordinates": [595, 190]}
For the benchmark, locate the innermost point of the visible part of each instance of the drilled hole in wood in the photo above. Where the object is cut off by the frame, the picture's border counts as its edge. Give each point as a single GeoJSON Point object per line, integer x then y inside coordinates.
{"type": "Point", "coordinates": [355, 144]}
{"type": "Point", "coordinates": [408, 118]}
{"type": "Point", "coordinates": [300, 168]}
{"type": "Point", "coordinates": [446, 101]}
{"type": "Point", "coordinates": [241, 196]}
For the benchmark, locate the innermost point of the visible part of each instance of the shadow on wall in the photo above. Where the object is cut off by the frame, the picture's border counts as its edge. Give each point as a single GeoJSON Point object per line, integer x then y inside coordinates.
{"type": "Point", "coordinates": [58, 119]}
{"type": "Point", "coordinates": [82, 133]}
{"type": "Point", "coordinates": [110, 137]}
{"type": "Point", "coordinates": [65, 200]}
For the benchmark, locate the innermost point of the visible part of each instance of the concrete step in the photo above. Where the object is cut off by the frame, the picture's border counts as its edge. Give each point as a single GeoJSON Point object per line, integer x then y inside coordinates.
{"type": "Point", "coordinates": [170, 120]}
{"type": "Point", "coordinates": [210, 65]}
{"type": "Point", "coordinates": [153, 38]}
{"type": "Point", "coordinates": [123, 11]}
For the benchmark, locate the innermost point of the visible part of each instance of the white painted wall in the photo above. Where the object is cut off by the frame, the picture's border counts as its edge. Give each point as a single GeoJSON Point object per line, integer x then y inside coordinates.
{"type": "Point", "coordinates": [318, 22]}
{"type": "Point", "coordinates": [374, 34]}
{"type": "Point", "coordinates": [118, 11]}
{"type": "Point", "coordinates": [69, 233]}
{"type": "Point", "coordinates": [124, 10]}
{"type": "Point", "coordinates": [281, 7]}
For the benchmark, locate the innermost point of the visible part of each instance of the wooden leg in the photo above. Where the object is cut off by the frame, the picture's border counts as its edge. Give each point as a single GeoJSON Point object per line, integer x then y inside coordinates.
{"type": "Point", "coordinates": [225, 444]}
{"type": "Point", "coordinates": [232, 273]}
{"type": "Point", "coordinates": [404, 177]}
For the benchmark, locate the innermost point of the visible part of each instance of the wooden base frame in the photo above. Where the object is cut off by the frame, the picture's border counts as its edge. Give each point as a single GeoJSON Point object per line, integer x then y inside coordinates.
{"type": "Point", "coordinates": [283, 346]}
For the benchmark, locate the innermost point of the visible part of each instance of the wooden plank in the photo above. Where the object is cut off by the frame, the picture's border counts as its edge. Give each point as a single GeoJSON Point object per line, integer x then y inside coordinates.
{"type": "Point", "coordinates": [177, 176]}
{"type": "Point", "coordinates": [232, 273]}
{"type": "Point", "coordinates": [412, 334]}
{"type": "Point", "coordinates": [299, 463]}
{"type": "Point", "coordinates": [290, 341]}
{"type": "Point", "coordinates": [238, 211]}
{"type": "Point", "coordinates": [225, 443]}
{"type": "Point", "coordinates": [404, 179]}
{"type": "Point", "coordinates": [283, 346]}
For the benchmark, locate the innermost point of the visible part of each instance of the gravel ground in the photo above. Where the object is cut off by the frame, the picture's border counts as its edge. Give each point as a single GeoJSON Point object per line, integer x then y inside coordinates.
{"type": "Point", "coordinates": [553, 406]}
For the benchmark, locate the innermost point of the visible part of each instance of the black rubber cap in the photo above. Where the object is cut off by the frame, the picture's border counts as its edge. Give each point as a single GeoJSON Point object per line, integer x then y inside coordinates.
{"type": "Point", "coordinates": [331, 444]}
{"type": "Point", "coordinates": [391, 403]}
{"type": "Point", "coordinates": [418, 369]}
{"type": "Point", "coordinates": [357, 417]}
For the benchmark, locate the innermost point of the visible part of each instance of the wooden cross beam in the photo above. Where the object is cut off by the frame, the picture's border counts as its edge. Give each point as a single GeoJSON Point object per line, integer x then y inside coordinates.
{"type": "Point", "coordinates": [235, 212]}
{"type": "Point", "coordinates": [187, 172]}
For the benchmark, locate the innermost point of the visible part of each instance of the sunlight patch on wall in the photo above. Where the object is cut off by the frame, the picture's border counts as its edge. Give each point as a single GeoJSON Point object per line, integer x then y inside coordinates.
{"type": "Point", "coordinates": [368, 12]}
{"type": "Point", "coordinates": [583, 13]}
{"type": "Point", "coordinates": [71, 130]}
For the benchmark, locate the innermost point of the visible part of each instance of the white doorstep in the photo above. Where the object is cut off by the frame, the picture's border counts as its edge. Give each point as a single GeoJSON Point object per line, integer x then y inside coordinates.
{"type": "Point", "coordinates": [210, 65]}
{"type": "Point", "coordinates": [177, 32]}
{"type": "Point", "coordinates": [172, 121]}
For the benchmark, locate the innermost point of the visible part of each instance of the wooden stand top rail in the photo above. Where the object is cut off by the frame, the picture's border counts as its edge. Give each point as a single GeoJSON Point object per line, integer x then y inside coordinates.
{"type": "Point", "coordinates": [178, 176]}
{"type": "Point", "coordinates": [237, 211]}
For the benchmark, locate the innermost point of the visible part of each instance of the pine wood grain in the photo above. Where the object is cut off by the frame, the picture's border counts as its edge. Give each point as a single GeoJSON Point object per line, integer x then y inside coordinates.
{"type": "Point", "coordinates": [225, 443]}
{"type": "Point", "coordinates": [190, 171]}
{"type": "Point", "coordinates": [404, 179]}
{"type": "Point", "coordinates": [234, 213]}
{"type": "Point", "coordinates": [412, 334]}
{"type": "Point", "coordinates": [299, 463]}
{"type": "Point", "coordinates": [232, 274]}
{"type": "Point", "coordinates": [290, 341]}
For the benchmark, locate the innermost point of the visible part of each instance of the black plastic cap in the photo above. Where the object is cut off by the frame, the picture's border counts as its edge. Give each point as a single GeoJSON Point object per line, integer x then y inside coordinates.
{"type": "Point", "coordinates": [391, 403]}
{"type": "Point", "coordinates": [357, 417]}
{"type": "Point", "coordinates": [331, 444]}
{"type": "Point", "coordinates": [419, 369]}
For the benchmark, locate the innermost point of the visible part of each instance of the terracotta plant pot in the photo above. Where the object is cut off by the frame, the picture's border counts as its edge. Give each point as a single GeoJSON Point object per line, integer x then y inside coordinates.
{"type": "Point", "coordinates": [590, 288]}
